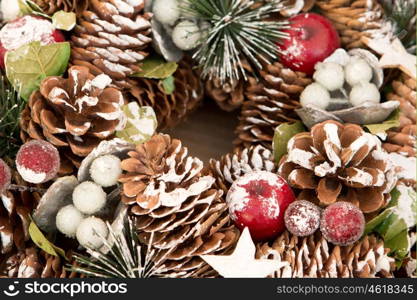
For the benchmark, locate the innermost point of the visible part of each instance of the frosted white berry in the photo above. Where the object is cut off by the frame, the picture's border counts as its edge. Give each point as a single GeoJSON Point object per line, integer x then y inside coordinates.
{"type": "Point", "coordinates": [330, 75]}
{"type": "Point", "coordinates": [166, 11]}
{"type": "Point", "coordinates": [186, 35]}
{"type": "Point", "coordinates": [10, 9]}
{"type": "Point", "coordinates": [68, 219]}
{"type": "Point", "coordinates": [315, 94]}
{"type": "Point", "coordinates": [358, 70]}
{"type": "Point", "coordinates": [89, 197]}
{"type": "Point", "coordinates": [105, 170]}
{"type": "Point", "coordinates": [364, 92]}
{"type": "Point", "coordinates": [91, 232]}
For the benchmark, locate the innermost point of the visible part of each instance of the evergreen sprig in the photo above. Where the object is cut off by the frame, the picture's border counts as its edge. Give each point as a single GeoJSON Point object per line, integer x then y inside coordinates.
{"type": "Point", "coordinates": [11, 106]}
{"type": "Point", "coordinates": [238, 29]}
{"type": "Point", "coordinates": [127, 258]}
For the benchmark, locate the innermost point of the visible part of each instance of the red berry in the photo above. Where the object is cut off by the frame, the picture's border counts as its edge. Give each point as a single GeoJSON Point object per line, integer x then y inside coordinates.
{"type": "Point", "coordinates": [25, 30]}
{"type": "Point", "coordinates": [342, 223]}
{"type": "Point", "coordinates": [258, 201]}
{"type": "Point", "coordinates": [302, 218]}
{"type": "Point", "coordinates": [5, 176]}
{"type": "Point", "coordinates": [312, 39]}
{"type": "Point", "coordinates": [37, 161]}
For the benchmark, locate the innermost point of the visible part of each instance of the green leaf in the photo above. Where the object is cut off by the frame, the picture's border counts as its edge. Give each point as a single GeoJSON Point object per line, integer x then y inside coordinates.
{"type": "Point", "coordinates": [168, 84]}
{"type": "Point", "coordinates": [42, 242]}
{"type": "Point", "coordinates": [283, 133]}
{"type": "Point", "coordinates": [28, 65]}
{"type": "Point", "coordinates": [141, 123]}
{"type": "Point", "coordinates": [156, 67]}
{"type": "Point", "coordinates": [64, 20]}
{"type": "Point", "coordinates": [399, 245]}
{"type": "Point", "coordinates": [392, 122]}
{"type": "Point", "coordinates": [28, 7]}
{"type": "Point", "coordinates": [377, 221]}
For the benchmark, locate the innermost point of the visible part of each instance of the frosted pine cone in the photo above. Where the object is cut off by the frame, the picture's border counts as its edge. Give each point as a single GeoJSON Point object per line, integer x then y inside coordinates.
{"type": "Point", "coordinates": [52, 6]}
{"type": "Point", "coordinates": [170, 197]}
{"type": "Point", "coordinates": [111, 37]}
{"type": "Point", "coordinates": [270, 102]}
{"type": "Point", "coordinates": [403, 139]}
{"type": "Point", "coordinates": [172, 108]}
{"type": "Point", "coordinates": [73, 114]}
{"type": "Point", "coordinates": [232, 166]}
{"type": "Point", "coordinates": [314, 257]}
{"type": "Point", "coordinates": [336, 162]}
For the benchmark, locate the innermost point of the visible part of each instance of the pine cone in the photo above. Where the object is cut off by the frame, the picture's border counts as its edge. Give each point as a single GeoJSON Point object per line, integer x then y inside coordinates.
{"type": "Point", "coordinates": [74, 114]}
{"type": "Point", "coordinates": [353, 19]}
{"type": "Point", "coordinates": [52, 6]}
{"type": "Point", "coordinates": [232, 166]}
{"type": "Point", "coordinates": [111, 38]}
{"type": "Point", "coordinates": [270, 102]}
{"type": "Point", "coordinates": [15, 209]}
{"type": "Point", "coordinates": [228, 96]}
{"type": "Point", "coordinates": [170, 197]}
{"type": "Point", "coordinates": [35, 263]}
{"type": "Point", "coordinates": [403, 139]}
{"type": "Point", "coordinates": [314, 257]}
{"type": "Point", "coordinates": [172, 108]}
{"type": "Point", "coordinates": [338, 162]}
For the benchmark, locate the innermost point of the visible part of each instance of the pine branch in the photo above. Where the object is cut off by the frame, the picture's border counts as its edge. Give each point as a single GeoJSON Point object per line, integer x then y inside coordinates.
{"type": "Point", "coordinates": [238, 29]}
{"type": "Point", "coordinates": [11, 106]}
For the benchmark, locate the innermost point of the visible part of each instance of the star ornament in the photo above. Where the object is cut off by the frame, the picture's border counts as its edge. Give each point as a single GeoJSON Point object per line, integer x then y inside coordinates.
{"type": "Point", "coordinates": [242, 263]}
{"type": "Point", "coordinates": [393, 55]}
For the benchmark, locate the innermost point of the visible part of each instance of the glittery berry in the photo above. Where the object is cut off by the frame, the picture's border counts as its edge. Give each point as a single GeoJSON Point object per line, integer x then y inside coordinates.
{"type": "Point", "coordinates": [258, 201]}
{"type": "Point", "coordinates": [302, 218]}
{"type": "Point", "coordinates": [342, 223]}
{"type": "Point", "coordinates": [37, 161]}
{"type": "Point", "coordinates": [5, 176]}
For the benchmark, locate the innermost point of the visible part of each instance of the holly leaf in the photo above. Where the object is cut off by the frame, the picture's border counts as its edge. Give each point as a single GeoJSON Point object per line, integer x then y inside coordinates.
{"type": "Point", "coordinates": [283, 133]}
{"type": "Point", "coordinates": [140, 125]}
{"type": "Point", "coordinates": [64, 20]}
{"type": "Point", "coordinates": [392, 122]}
{"type": "Point", "coordinates": [168, 84]}
{"type": "Point", "coordinates": [156, 67]}
{"type": "Point", "coordinates": [28, 65]}
{"type": "Point", "coordinates": [42, 242]}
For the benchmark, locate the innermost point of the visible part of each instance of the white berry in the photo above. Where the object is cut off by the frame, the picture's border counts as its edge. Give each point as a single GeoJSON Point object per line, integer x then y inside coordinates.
{"type": "Point", "coordinates": [330, 75]}
{"type": "Point", "coordinates": [105, 170]}
{"type": "Point", "coordinates": [89, 197]}
{"type": "Point", "coordinates": [358, 70]}
{"type": "Point", "coordinates": [364, 92]}
{"type": "Point", "coordinates": [10, 9]}
{"type": "Point", "coordinates": [315, 95]}
{"type": "Point", "coordinates": [91, 232]}
{"type": "Point", "coordinates": [186, 35]}
{"type": "Point", "coordinates": [166, 11]}
{"type": "Point", "coordinates": [68, 219]}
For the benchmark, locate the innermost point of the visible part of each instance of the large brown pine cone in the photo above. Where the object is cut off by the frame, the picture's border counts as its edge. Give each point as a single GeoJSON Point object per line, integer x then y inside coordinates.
{"type": "Point", "coordinates": [74, 114]}
{"type": "Point", "coordinates": [271, 100]}
{"type": "Point", "coordinates": [15, 209]}
{"type": "Point", "coordinates": [234, 165]}
{"type": "Point", "coordinates": [353, 19]}
{"type": "Point", "coordinates": [52, 6]}
{"type": "Point", "coordinates": [403, 139]}
{"type": "Point", "coordinates": [313, 256]}
{"type": "Point", "coordinates": [111, 37]}
{"type": "Point", "coordinates": [170, 197]}
{"type": "Point", "coordinates": [172, 108]}
{"type": "Point", "coordinates": [336, 162]}
{"type": "Point", "coordinates": [32, 262]}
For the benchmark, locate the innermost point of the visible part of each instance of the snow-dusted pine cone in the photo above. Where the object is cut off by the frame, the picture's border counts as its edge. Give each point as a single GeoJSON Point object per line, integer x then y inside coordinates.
{"type": "Point", "coordinates": [171, 108]}
{"type": "Point", "coordinates": [270, 101]}
{"type": "Point", "coordinates": [403, 139]}
{"type": "Point", "coordinates": [234, 165]}
{"type": "Point", "coordinates": [353, 19]}
{"type": "Point", "coordinates": [73, 114]}
{"type": "Point", "coordinates": [111, 37]}
{"type": "Point", "coordinates": [169, 197]}
{"type": "Point", "coordinates": [336, 162]}
{"type": "Point", "coordinates": [314, 257]}
{"type": "Point", "coordinates": [52, 6]}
